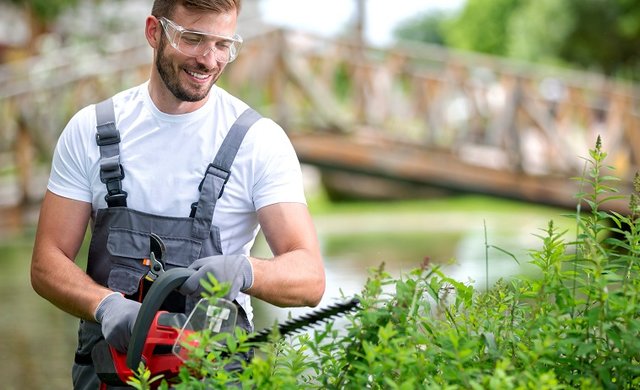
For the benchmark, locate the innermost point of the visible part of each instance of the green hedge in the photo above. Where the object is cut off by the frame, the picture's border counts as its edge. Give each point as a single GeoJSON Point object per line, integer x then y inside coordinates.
{"type": "Point", "coordinates": [574, 325]}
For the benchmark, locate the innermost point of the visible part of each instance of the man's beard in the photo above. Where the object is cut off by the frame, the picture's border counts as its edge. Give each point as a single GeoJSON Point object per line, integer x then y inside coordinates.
{"type": "Point", "coordinates": [171, 80]}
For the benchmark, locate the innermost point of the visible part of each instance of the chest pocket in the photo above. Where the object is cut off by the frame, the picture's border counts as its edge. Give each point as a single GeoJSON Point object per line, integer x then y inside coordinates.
{"type": "Point", "coordinates": [129, 248]}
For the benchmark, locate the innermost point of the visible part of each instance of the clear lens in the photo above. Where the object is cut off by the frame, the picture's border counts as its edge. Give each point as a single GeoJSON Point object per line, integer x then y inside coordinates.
{"type": "Point", "coordinates": [196, 44]}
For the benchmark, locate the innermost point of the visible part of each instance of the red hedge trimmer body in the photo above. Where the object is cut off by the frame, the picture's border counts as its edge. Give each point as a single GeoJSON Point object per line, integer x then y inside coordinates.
{"type": "Point", "coordinates": [157, 335]}
{"type": "Point", "coordinates": [157, 352]}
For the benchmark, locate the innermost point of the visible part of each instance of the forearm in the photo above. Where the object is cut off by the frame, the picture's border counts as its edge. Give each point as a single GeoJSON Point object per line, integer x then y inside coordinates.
{"type": "Point", "coordinates": [294, 278]}
{"type": "Point", "coordinates": [54, 274]}
{"type": "Point", "coordinates": [59, 280]}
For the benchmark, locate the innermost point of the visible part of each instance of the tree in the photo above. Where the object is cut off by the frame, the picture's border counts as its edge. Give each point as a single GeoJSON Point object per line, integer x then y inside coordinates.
{"type": "Point", "coordinates": [424, 28]}
{"type": "Point", "coordinates": [482, 26]}
{"type": "Point", "coordinates": [606, 35]}
{"type": "Point", "coordinates": [596, 35]}
{"type": "Point", "coordinates": [536, 31]}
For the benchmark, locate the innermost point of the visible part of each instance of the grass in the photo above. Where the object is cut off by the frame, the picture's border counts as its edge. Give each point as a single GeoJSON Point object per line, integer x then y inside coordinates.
{"type": "Point", "coordinates": [320, 205]}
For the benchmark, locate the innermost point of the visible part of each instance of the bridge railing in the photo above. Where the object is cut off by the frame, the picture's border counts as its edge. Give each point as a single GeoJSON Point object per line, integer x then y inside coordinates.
{"type": "Point", "coordinates": [489, 111]}
{"type": "Point", "coordinates": [486, 111]}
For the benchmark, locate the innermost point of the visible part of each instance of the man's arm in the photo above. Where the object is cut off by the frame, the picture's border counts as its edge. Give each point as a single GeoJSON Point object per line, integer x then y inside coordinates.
{"type": "Point", "coordinates": [295, 276]}
{"type": "Point", "coordinates": [54, 274]}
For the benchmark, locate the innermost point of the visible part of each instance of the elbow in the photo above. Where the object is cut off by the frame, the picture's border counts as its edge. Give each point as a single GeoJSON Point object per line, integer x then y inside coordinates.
{"type": "Point", "coordinates": [36, 284]}
{"type": "Point", "coordinates": [317, 291]}
{"type": "Point", "coordinates": [315, 299]}
{"type": "Point", "coordinates": [40, 275]}
{"type": "Point", "coordinates": [36, 276]}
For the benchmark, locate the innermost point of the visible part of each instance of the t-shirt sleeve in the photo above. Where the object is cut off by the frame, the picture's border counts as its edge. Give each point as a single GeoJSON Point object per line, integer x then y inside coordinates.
{"type": "Point", "coordinates": [278, 175]}
{"type": "Point", "coordinates": [69, 168]}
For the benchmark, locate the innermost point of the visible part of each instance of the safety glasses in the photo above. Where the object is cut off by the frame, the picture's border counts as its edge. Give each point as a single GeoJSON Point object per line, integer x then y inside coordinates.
{"type": "Point", "coordinates": [195, 44]}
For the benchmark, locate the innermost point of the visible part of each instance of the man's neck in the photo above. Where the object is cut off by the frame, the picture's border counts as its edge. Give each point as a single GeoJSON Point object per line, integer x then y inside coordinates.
{"type": "Point", "coordinates": [166, 102]}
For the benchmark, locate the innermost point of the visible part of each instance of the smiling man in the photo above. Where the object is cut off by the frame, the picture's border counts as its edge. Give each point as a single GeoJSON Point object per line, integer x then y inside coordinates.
{"type": "Point", "coordinates": [180, 159]}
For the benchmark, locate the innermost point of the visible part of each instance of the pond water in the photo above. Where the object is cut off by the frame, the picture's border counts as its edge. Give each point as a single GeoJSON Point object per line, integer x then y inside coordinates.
{"type": "Point", "coordinates": [452, 233]}
{"type": "Point", "coordinates": [38, 340]}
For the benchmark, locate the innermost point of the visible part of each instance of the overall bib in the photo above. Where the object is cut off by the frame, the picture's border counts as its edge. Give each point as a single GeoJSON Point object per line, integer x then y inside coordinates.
{"type": "Point", "coordinates": [120, 239]}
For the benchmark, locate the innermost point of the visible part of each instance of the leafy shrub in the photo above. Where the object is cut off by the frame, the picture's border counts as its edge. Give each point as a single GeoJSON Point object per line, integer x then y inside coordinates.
{"type": "Point", "coordinates": [574, 325]}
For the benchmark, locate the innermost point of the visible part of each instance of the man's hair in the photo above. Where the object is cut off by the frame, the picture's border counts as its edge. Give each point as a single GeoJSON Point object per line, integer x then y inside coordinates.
{"type": "Point", "coordinates": [166, 7]}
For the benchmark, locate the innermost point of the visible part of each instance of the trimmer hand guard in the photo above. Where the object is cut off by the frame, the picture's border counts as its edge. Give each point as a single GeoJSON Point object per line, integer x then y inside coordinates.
{"type": "Point", "coordinates": [111, 365]}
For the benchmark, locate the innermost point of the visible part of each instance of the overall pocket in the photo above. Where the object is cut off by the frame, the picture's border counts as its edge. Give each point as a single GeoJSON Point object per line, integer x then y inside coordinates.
{"type": "Point", "coordinates": [128, 248]}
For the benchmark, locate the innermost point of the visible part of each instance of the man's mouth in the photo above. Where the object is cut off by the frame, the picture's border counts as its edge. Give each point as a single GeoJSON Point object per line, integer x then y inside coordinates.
{"type": "Point", "coordinates": [198, 76]}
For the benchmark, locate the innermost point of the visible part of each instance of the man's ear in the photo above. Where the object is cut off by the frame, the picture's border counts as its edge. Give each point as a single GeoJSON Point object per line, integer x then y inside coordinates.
{"type": "Point", "coordinates": [152, 31]}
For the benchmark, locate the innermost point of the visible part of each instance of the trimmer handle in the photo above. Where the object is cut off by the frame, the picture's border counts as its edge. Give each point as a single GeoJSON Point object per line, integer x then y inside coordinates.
{"type": "Point", "coordinates": [160, 289]}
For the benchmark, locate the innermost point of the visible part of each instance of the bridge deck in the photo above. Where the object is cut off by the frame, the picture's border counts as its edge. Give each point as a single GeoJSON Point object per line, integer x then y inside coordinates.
{"type": "Point", "coordinates": [436, 169]}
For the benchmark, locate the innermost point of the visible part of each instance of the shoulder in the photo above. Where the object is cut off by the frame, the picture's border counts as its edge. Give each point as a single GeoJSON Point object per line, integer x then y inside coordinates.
{"type": "Point", "coordinates": [266, 131]}
{"type": "Point", "coordinates": [80, 131]}
{"type": "Point", "coordinates": [225, 105]}
{"type": "Point", "coordinates": [229, 108]}
{"type": "Point", "coordinates": [129, 100]}
{"type": "Point", "coordinates": [81, 127]}
{"type": "Point", "coordinates": [87, 115]}
{"type": "Point", "coordinates": [235, 107]}
{"type": "Point", "coordinates": [221, 95]}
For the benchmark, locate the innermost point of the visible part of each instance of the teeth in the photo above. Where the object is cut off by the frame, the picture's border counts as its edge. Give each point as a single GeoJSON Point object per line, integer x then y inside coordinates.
{"type": "Point", "coordinates": [198, 75]}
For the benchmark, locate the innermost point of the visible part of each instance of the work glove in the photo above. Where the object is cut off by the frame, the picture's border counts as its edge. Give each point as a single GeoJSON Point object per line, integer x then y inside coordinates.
{"type": "Point", "coordinates": [233, 269]}
{"type": "Point", "coordinates": [117, 315]}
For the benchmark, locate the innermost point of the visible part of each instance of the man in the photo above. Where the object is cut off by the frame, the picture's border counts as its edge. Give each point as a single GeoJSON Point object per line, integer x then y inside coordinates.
{"type": "Point", "coordinates": [141, 163]}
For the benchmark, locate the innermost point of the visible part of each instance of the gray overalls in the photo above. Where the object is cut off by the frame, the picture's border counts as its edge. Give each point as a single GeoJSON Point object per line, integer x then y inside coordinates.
{"type": "Point", "coordinates": [120, 237]}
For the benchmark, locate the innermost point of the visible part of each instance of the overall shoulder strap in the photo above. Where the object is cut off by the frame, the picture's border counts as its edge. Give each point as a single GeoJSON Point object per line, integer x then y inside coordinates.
{"type": "Point", "coordinates": [108, 140]}
{"type": "Point", "coordinates": [218, 173]}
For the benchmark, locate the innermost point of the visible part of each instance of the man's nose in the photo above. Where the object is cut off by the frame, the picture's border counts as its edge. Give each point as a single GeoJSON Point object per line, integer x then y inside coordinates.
{"type": "Point", "coordinates": [208, 59]}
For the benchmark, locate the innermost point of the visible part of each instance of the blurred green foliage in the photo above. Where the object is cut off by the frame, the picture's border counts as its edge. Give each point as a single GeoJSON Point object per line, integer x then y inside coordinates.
{"type": "Point", "coordinates": [426, 28]}
{"type": "Point", "coordinates": [43, 10]}
{"type": "Point", "coordinates": [482, 26]}
{"type": "Point", "coordinates": [595, 35]}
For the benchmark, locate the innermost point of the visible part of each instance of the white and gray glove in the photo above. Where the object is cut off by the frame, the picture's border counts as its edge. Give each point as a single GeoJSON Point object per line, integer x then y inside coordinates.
{"type": "Point", "coordinates": [117, 315]}
{"type": "Point", "coordinates": [233, 269]}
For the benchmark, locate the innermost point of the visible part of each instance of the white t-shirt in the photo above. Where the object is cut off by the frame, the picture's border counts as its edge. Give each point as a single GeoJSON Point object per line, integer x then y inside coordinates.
{"type": "Point", "coordinates": [165, 157]}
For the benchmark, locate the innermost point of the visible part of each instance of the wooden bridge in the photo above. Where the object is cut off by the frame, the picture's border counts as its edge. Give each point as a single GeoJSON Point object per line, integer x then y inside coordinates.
{"type": "Point", "coordinates": [417, 116]}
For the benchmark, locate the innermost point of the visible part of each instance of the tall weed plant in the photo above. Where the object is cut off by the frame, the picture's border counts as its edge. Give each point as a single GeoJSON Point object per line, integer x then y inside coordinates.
{"type": "Point", "coordinates": [575, 325]}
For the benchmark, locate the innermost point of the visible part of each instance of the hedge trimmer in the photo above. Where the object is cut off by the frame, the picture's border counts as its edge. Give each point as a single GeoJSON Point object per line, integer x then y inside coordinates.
{"type": "Point", "coordinates": [158, 337]}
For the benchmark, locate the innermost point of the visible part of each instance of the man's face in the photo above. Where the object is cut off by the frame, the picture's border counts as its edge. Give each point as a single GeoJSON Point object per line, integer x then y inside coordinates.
{"type": "Point", "coordinates": [191, 78]}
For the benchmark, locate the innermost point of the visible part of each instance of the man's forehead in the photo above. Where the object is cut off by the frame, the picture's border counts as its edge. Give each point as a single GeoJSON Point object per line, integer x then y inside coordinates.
{"type": "Point", "coordinates": [207, 22]}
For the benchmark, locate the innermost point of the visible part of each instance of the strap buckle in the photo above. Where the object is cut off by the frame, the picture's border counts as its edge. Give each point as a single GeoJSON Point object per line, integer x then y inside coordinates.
{"type": "Point", "coordinates": [115, 196]}
{"type": "Point", "coordinates": [108, 137]}
{"type": "Point", "coordinates": [217, 172]}
{"type": "Point", "coordinates": [111, 172]}
{"type": "Point", "coordinates": [116, 200]}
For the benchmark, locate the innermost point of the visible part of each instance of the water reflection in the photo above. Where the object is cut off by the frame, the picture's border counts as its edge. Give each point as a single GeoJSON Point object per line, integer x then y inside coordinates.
{"type": "Point", "coordinates": [476, 264]}
{"type": "Point", "coordinates": [455, 241]}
